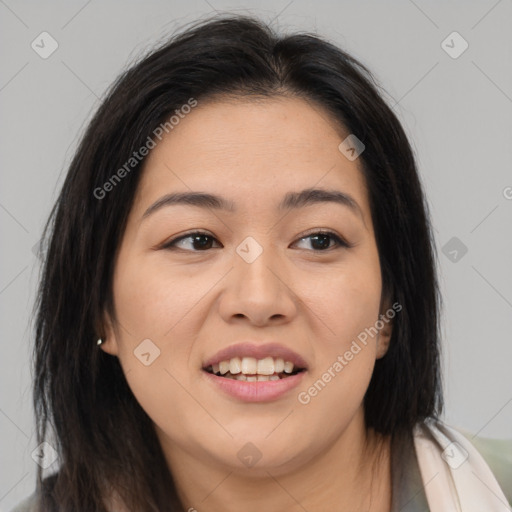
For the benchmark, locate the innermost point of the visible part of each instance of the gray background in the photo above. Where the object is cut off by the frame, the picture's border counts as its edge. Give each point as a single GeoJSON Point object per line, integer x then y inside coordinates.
{"type": "Point", "coordinates": [457, 112]}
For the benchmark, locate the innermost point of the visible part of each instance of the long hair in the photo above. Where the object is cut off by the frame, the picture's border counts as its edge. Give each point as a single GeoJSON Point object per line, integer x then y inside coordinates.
{"type": "Point", "coordinates": [83, 405]}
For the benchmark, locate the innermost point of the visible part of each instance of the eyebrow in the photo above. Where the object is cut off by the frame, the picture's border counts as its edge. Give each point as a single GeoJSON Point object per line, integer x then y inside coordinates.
{"type": "Point", "coordinates": [292, 200]}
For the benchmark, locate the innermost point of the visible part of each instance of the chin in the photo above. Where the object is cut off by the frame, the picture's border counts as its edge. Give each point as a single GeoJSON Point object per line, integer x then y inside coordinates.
{"type": "Point", "coordinates": [257, 454]}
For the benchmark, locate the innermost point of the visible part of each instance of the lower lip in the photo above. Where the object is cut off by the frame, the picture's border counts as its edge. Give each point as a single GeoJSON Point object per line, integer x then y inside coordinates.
{"type": "Point", "coordinates": [262, 391]}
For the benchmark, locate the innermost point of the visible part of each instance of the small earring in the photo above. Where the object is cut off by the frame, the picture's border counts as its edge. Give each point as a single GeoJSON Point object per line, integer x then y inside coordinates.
{"type": "Point", "coordinates": [99, 342]}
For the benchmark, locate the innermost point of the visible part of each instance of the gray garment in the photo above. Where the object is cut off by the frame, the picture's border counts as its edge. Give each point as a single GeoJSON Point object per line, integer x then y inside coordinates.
{"type": "Point", "coordinates": [408, 493]}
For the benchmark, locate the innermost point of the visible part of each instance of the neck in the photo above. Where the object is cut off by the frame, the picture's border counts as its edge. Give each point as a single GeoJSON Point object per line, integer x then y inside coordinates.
{"type": "Point", "coordinates": [352, 473]}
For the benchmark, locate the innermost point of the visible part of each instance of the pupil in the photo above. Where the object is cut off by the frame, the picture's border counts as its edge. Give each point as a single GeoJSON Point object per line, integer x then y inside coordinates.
{"type": "Point", "coordinates": [202, 245]}
{"type": "Point", "coordinates": [322, 245]}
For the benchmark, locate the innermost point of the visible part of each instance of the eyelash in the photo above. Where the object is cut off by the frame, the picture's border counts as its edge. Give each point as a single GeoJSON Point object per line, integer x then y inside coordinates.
{"type": "Point", "coordinates": [341, 243]}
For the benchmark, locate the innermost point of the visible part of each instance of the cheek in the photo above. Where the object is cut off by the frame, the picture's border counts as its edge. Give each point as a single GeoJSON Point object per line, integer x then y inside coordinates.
{"type": "Point", "coordinates": [158, 303]}
{"type": "Point", "coordinates": [345, 352]}
{"type": "Point", "coordinates": [344, 360]}
{"type": "Point", "coordinates": [153, 298]}
{"type": "Point", "coordinates": [348, 303]}
{"type": "Point", "coordinates": [334, 397]}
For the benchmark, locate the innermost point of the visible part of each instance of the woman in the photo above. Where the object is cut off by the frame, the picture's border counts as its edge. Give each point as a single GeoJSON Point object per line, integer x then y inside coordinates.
{"type": "Point", "coordinates": [239, 306]}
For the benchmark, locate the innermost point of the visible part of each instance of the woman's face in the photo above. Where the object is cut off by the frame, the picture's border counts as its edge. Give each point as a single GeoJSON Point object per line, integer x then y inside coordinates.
{"type": "Point", "coordinates": [259, 282]}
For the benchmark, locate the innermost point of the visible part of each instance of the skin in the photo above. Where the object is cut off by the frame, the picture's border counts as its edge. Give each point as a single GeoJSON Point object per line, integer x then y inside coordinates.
{"type": "Point", "coordinates": [192, 303]}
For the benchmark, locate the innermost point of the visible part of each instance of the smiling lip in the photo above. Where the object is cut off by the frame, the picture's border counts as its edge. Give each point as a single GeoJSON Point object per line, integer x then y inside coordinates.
{"type": "Point", "coordinates": [260, 391]}
{"type": "Point", "coordinates": [258, 351]}
{"type": "Point", "coordinates": [255, 391]}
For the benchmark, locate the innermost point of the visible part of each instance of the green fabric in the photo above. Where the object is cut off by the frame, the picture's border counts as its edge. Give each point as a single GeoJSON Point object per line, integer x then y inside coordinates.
{"type": "Point", "coordinates": [498, 455]}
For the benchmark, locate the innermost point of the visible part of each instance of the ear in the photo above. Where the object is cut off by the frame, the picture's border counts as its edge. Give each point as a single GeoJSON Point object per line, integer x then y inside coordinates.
{"type": "Point", "coordinates": [109, 336]}
{"type": "Point", "coordinates": [384, 334]}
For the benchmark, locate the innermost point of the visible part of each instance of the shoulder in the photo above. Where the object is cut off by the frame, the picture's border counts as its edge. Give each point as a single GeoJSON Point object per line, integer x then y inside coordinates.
{"type": "Point", "coordinates": [27, 505]}
{"type": "Point", "coordinates": [482, 453]}
{"type": "Point", "coordinates": [31, 502]}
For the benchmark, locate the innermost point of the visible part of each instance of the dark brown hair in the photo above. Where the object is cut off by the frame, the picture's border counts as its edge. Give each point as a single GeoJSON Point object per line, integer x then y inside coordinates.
{"type": "Point", "coordinates": [83, 404]}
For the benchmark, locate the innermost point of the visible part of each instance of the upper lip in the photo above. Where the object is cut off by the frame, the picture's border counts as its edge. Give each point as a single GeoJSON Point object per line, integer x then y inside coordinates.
{"type": "Point", "coordinates": [258, 351]}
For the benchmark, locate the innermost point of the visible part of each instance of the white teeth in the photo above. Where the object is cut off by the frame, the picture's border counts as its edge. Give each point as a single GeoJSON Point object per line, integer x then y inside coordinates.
{"type": "Point", "coordinates": [288, 367]}
{"type": "Point", "coordinates": [278, 365]}
{"type": "Point", "coordinates": [252, 378]}
{"type": "Point", "coordinates": [241, 376]}
{"type": "Point", "coordinates": [266, 366]}
{"type": "Point", "coordinates": [263, 378]}
{"type": "Point", "coordinates": [235, 365]}
{"type": "Point", "coordinates": [224, 367]}
{"type": "Point", "coordinates": [249, 365]}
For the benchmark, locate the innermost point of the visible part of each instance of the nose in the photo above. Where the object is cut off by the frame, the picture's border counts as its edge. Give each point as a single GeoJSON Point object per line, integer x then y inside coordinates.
{"type": "Point", "coordinates": [260, 291]}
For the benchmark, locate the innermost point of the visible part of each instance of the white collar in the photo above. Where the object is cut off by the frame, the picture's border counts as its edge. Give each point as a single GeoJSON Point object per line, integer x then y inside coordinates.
{"type": "Point", "coordinates": [455, 476]}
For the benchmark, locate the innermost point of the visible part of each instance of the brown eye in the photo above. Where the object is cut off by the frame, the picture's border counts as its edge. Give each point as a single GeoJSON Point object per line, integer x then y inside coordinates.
{"type": "Point", "coordinates": [196, 242]}
{"type": "Point", "coordinates": [321, 241]}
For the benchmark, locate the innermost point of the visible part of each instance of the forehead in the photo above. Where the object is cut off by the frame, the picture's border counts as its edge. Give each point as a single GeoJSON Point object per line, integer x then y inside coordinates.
{"type": "Point", "coordinates": [252, 152]}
